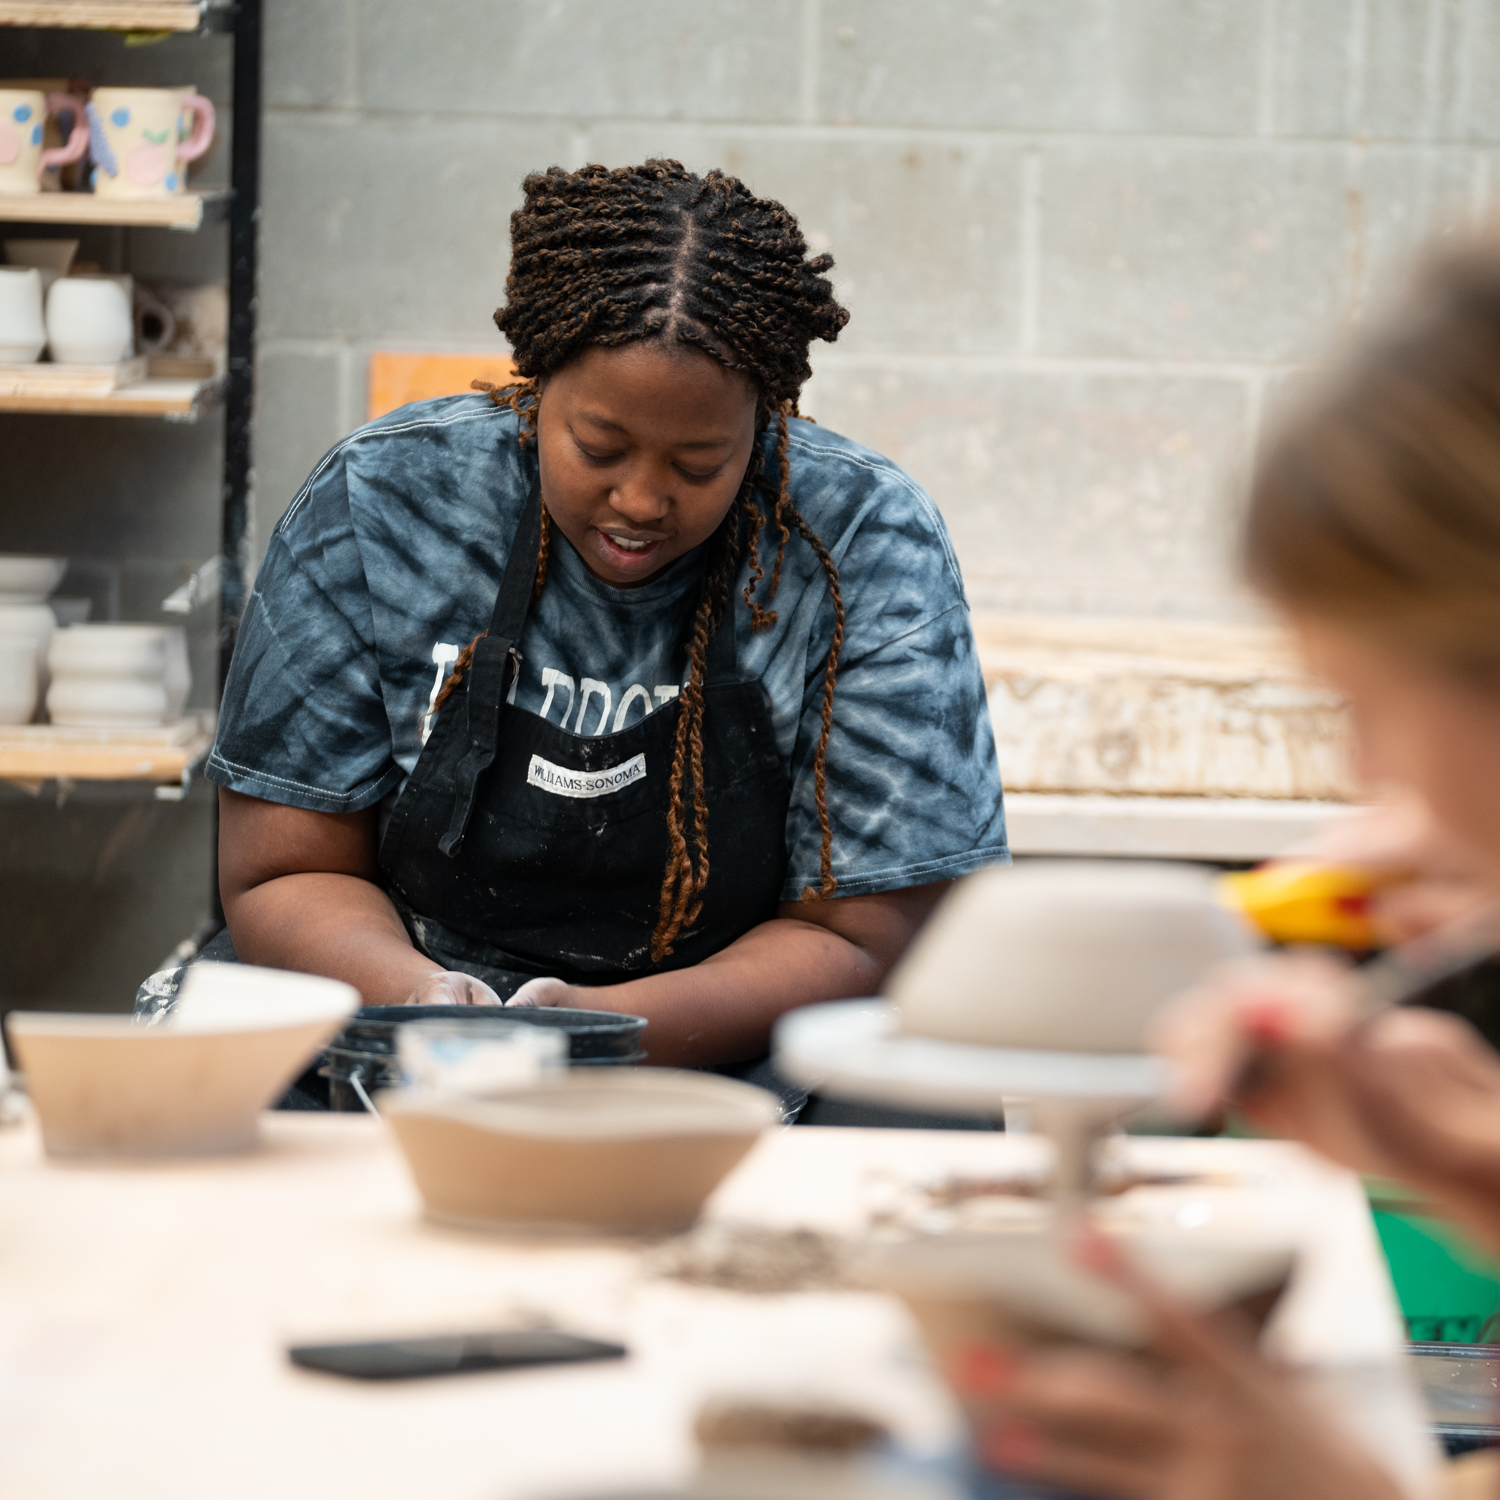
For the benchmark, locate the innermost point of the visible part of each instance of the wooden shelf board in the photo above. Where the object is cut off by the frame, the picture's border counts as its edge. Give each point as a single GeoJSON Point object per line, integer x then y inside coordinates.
{"type": "Point", "coordinates": [180, 399]}
{"type": "Point", "coordinates": [105, 15]}
{"type": "Point", "coordinates": [182, 211]}
{"type": "Point", "coordinates": [45, 752]}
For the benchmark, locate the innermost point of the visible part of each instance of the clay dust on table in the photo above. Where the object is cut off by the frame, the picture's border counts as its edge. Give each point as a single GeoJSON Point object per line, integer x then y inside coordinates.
{"type": "Point", "coordinates": [750, 1258]}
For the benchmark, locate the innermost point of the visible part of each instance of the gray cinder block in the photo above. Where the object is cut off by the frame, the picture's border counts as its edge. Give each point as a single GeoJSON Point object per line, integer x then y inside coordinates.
{"type": "Point", "coordinates": [1100, 493]}
{"type": "Point", "coordinates": [392, 227]}
{"type": "Point", "coordinates": [925, 233]}
{"type": "Point", "coordinates": [1147, 65]}
{"type": "Point", "coordinates": [695, 59]}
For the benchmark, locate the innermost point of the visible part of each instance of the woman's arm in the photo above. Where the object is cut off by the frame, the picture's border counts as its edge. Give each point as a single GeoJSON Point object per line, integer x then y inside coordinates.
{"type": "Point", "coordinates": [299, 891]}
{"type": "Point", "coordinates": [722, 1010]}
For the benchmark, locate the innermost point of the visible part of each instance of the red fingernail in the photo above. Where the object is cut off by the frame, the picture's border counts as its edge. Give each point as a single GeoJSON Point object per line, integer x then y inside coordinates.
{"type": "Point", "coordinates": [984, 1369]}
{"type": "Point", "coordinates": [1012, 1445]}
{"type": "Point", "coordinates": [1266, 1021]}
{"type": "Point", "coordinates": [1095, 1252]}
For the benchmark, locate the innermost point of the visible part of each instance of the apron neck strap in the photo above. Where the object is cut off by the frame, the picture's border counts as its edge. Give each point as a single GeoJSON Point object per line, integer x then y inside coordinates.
{"type": "Point", "coordinates": [489, 673]}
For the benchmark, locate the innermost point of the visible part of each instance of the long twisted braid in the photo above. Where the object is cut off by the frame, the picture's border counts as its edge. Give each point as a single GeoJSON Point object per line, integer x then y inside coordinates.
{"type": "Point", "coordinates": [603, 257]}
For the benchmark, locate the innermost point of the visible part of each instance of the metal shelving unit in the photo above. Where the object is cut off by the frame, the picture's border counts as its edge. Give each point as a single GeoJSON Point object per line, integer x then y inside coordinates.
{"type": "Point", "coordinates": [38, 754]}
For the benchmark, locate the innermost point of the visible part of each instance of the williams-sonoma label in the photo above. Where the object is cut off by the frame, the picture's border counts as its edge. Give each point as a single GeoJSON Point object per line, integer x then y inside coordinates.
{"type": "Point", "coordinates": [562, 782]}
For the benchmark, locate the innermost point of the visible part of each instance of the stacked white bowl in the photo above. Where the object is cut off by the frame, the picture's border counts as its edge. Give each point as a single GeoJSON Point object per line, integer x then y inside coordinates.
{"type": "Point", "coordinates": [118, 676]}
{"type": "Point", "coordinates": [26, 625]}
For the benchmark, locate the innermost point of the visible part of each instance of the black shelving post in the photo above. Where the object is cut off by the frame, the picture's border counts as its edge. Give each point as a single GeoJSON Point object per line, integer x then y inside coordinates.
{"type": "Point", "coordinates": [239, 395]}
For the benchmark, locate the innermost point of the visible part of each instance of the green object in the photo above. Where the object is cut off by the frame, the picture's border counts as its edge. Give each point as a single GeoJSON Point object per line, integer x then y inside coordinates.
{"type": "Point", "coordinates": [1448, 1291]}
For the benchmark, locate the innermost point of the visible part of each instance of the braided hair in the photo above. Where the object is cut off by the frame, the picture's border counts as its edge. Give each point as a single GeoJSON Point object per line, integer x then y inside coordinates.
{"type": "Point", "coordinates": [604, 258]}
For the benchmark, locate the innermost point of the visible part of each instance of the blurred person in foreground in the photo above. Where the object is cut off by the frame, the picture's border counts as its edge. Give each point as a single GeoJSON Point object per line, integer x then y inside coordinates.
{"type": "Point", "coordinates": [1374, 527]}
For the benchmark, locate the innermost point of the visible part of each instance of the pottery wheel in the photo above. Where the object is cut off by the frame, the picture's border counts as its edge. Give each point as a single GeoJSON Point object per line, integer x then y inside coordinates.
{"type": "Point", "coordinates": [852, 1049]}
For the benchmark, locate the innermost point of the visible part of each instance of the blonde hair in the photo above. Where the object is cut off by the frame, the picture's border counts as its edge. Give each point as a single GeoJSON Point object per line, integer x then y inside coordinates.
{"type": "Point", "coordinates": [1377, 504]}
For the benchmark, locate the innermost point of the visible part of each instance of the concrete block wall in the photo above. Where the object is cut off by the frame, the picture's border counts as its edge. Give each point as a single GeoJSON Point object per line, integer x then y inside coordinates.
{"type": "Point", "coordinates": [1083, 240]}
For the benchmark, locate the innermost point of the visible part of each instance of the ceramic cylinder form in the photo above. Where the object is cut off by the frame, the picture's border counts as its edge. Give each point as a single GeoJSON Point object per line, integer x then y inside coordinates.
{"type": "Point", "coordinates": [24, 156]}
{"type": "Point", "coordinates": [18, 679]}
{"type": "Point", "coordinates": [142, 140]}
{"type": "Point", "coordinates": [90, 320]}
{"type": "Point", "coordinates": [22, 333]}
{"type": "Point", "coordinates": [35, 622]}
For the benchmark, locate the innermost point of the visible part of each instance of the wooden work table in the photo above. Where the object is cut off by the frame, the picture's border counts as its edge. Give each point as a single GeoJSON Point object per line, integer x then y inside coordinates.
{"type": "Point", "coordinates": [145, 1309]}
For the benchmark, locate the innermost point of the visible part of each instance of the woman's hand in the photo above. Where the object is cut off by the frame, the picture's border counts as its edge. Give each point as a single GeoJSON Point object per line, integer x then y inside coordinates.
{"type": "Point", "coordinates": [1433, 879]}
{"type": "Point", "coordinates": [1210, 1420]}
{"type": "Point", "coordinates": [448, 987]}
{"type": "Point", "coordinates": [1412, 1095]}
{"type": "Point", "coordinates": [553, 993]}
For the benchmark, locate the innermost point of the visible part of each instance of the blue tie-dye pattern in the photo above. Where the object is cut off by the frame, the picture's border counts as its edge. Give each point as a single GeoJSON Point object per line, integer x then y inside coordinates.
{"type": "Point", "coordinates": [396, 544]}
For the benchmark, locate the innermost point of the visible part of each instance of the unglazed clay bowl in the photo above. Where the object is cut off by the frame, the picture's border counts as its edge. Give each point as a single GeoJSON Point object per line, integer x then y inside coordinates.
{"type": "Point", "coordinates": [112, 651]}
{"type": "Point", "coordinates": [194, 1085]}
{"type": "Point", "coordinates": [98, 703]}
{"type": "Point", "coordinates": [1063, 955]}
{"type": "Point", "coordinates": [1022, 1286]}
{"type": "Point", "coordinates": [29, 580]}
{"type": "Point", "coordinates": [608, 1151]}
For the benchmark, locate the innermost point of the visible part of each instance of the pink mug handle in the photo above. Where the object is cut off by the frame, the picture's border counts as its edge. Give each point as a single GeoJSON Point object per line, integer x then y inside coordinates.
{"type": "Point", "coordinates": [203, 128]}
{"type": "Point", "coordinates": [78, 141]}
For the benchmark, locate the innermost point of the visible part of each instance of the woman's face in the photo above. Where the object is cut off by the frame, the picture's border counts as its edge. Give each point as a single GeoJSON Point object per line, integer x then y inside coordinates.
{"type": "Point", "coordinates": [642, 452]}
{"type": "Point", "coordinates": [1419, 729]}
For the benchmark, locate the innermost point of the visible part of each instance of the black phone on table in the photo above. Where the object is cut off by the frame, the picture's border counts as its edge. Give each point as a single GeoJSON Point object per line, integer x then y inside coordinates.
{"type": "Point", "coordinates": [451, 1354]}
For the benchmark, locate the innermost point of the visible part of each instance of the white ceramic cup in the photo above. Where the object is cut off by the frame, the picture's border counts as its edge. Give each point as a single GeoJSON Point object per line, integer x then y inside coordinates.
{"type": "Point", "coordinates": [18, 679]}
{"type": "Point", "coordinates": [90, 320]}
{"type": "Point", "coordinates": [22, 334]}
{"type": "Point", "coordinates": [142, 138]}
{"type": "Point", "coordinates": [23, 124]}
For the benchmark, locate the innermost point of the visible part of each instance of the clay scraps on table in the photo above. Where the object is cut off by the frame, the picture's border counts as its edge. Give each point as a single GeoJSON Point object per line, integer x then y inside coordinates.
{"type": "Point", "coordinates": [751, 1258]}
{"type": "Point", "coordinates": [737, 1425]}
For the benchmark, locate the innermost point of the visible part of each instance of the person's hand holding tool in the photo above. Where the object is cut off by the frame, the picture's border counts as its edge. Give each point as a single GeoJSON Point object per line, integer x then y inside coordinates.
{"type": "Point", "coordinates": [1205, 1419]}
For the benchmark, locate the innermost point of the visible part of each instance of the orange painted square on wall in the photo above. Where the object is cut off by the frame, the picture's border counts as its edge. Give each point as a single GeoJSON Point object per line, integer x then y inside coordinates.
{"type": "Point", "coordinates": [398, 376]}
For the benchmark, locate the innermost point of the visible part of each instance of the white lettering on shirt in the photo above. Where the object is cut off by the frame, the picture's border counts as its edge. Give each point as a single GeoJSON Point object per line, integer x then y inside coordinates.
{"type": "Point", "coordinates": [634, 691]}
{"type": "Point", "coordinates": [562, 782]}
{"type": "Point", "coordinates": [445, 653]}
{"type": "Point", "coordinates": [591, 687]}
{"type": "Point", "coordinates": [551, 677]}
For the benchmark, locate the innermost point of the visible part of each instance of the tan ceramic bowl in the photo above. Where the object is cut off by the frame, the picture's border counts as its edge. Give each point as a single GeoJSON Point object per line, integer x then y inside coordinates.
{"type": "Point", "coordinates": [104, 1086]}
{"type": "Point", "coordinates": [632, 1151]}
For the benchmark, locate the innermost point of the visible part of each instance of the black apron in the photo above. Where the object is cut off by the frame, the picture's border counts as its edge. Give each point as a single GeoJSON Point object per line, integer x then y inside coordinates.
{"type": "Point", "coordinates": [517, 849]}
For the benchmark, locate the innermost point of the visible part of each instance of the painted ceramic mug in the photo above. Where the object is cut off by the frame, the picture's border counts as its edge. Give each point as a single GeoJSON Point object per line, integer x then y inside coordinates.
{"type": "Point", "coordinates": [141, 140]}
{"type": "Point", "coordinates": [23, 123]}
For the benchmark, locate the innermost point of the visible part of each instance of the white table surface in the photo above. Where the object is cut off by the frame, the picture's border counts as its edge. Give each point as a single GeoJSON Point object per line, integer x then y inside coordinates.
{"type": "Point", "coordinates": [145, 1309]}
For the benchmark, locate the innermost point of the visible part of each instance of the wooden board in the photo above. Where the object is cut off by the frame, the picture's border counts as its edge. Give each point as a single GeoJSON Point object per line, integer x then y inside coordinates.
{"type": "Point", "coordinates": [104, 15]}
{"type": "Point", "coordinates": [1198, 828]}
{"type": "Point", "coordinates": [397, 377]}
{"type": "Point", "coordinates": [1159, 708]}
{"type": "Point", "coordinates": [182, 211]}
{"type": "Point", "coordinates": [45, 752]}
{"type": "Point", "coordinates": [69, 380]}
{"type": "Point", "coordinates": [179, 399]}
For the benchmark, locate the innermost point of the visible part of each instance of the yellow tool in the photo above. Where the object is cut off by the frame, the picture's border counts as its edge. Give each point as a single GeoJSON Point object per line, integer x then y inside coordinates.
{"type": "Point", "coordinates": [1303, 901]}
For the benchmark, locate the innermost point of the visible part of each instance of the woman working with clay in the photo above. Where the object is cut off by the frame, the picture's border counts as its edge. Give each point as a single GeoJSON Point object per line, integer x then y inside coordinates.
{"type": "Point", "coordinates": [1374, 526]}
{"type": "Point", "coordinates": [621, 687]}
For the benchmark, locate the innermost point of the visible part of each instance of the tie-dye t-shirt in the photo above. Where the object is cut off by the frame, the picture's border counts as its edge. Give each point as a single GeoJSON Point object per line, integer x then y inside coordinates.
{"type": "Point", "coordinates": [389, 559]}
